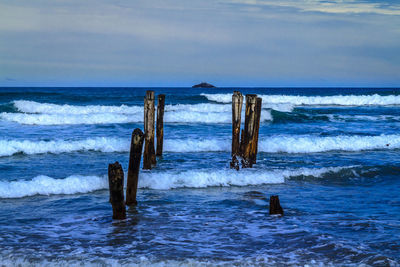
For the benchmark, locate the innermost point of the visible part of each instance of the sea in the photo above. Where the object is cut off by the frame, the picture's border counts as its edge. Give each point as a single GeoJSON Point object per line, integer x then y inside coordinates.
{"type": "Point", "coordinates": [332, 155]}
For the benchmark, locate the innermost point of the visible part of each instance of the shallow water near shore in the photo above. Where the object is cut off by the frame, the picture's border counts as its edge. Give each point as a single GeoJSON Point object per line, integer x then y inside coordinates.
{"type": "Point", "coordinates": [331, 154]}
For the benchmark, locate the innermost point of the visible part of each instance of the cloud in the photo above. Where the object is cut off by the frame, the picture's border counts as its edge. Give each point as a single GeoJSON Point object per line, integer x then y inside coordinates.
{"type": "Point", "coordinates": [104, 18]}
{"type": "Point", "coordinates": [334, 7]}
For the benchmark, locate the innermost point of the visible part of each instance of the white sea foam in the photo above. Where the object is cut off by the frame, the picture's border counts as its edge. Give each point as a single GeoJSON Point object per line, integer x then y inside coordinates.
{"type": "Point", "coordinates": [48, 108]}
{"type": "Point", "coordinates": [203, 178]}
{"type": "Point", "coordinates": [340, 100]}
{"type": "Point", "coordinates": [106, 145]}
{"type": "Point", "coordinates": [67, 119]}
{"type": "Point", "coordinates": [102, 144]}
{"type": "Point", "coordinates": [196, 145]}
{"type": "Point", "coordinates": [108, 118]}
{"type": "Point", "coordinates": [44, 185]}
{"type": "Point", "coordinates": [26, 106]}
{"type": "Point", "coordinates": [274, 144]}
{"type": "Point", "coordinates": [34, 113]}
{"type": "Point", "coordinates": [291, 144]}
{"type": "Point", "coordinates": [312, 144]}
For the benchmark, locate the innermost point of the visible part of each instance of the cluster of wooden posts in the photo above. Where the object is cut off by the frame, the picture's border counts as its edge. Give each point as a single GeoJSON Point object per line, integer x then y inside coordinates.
{"type": "Point", "coordinates": [115, 171]}
{"type": "Point", "coordinates": [245, 142]}
{"type": "Point", "coordinates": [247, 147]}
{"type": "Point", "coordinates": [244, 147]}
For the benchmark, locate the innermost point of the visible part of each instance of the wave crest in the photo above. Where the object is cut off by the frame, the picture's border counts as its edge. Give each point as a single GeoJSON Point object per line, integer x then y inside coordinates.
{"type": "Point", "coordinates": [274, 144]}
{"type": "Point", "coordinates": [44, 185]}
{"type": "Point", "coordinates": [339, 100]}
{"type": "Point", "coordinates": [34, 113]}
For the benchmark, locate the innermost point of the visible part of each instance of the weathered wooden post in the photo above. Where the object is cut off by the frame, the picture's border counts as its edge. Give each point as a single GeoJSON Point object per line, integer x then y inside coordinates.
{"type": "Point", "coordinates": [116, 184]}
{"type": "Point", "coordinates": [160, 124]}
{"type": "Point", "coordinates": [149, 156]}
{"type": "Point", "coordinates": [256, 130]}
{"type": "Point", "coordinates": [237, 103]}
{"type": "Point", "coordinates": [134, 165]}
{"type": "Point", "coordinates": [249, 129]}
{"type": "Point", "coordinates": [275, 206]}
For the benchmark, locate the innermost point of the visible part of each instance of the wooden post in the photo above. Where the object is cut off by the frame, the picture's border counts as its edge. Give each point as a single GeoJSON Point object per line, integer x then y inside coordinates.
{"type": "Point", "coordinates": [237, 103]}
{"type": "Point", "coordinates": [256, 131]}
{"type": "Point", "coordinates": [116, 184]}
{"type": "Point", "coordinates": [249, 129]}
{"type": "Point", "coordinates": [160, 124]}
{"type": "Point", "coordinates": [134, 165]}
{"type": "Point", "coordinates": [275, 206]}
{"type": "Point", "coordinates": [149, 156]}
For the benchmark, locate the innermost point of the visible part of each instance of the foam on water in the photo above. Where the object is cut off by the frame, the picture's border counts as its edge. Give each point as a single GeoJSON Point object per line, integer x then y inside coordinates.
{"type": "Point", "coordinates": [274, 144]}
{"type": "Point", "coordinates": [291, 144]}
{"type": "Point", "coordinates": [102, 144]}
{"type": "Point", "coordinates": [203, 179]}
{"type": "Point", "coordinates": [44, 185]}
{"type": "Point", "coordinates": [312, 144]}
{"type": "Point", "coordinates": [27, 106]}
{"type": "Point", "coordinates": [48, 108]}
{"type": "Point", "coordinates": [196, 145]}
{"type": "Point", "coordinates": [109, 118]}
{"type": "Point", "coordinates": [34, 113]}
{"type": "Point", "coordinates": [68, 119]}
{"type": "Point", "coordinates": [106, 145]}
{"type": "Point", "coordinates": [340, 100]}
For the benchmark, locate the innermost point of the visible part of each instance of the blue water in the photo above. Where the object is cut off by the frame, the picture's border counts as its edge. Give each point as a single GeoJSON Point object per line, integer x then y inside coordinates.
{"type": "Point", "coordinates": [331, 154]}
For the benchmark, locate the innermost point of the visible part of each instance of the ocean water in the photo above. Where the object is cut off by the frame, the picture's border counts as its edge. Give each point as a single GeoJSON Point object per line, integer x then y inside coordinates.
{"type": "Point", "coordinates": [331, 154]}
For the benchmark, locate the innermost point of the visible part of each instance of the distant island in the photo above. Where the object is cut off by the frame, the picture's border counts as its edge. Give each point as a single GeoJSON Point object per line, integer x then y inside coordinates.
{"type": "Point", "coordinates": [203, 85]}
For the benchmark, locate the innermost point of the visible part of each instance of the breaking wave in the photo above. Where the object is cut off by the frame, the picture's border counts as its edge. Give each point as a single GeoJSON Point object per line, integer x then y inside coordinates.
{"type": "Point", "coordinates": [48, 108]}
{"type": "Point", "coordinates": [313, 144]}
{"type": "Point", "coordinates": [34, 113]}
{"type": "Point", "coordinates": [45, 185]}
{"type": "Point", "coordinates": [109, 118]}
{"type": "Point", "coordinates": [102, 144]}
{"type": "Point", "coordinates": [274, 144]}
{"type": "Point", "coordinates": [340, 100]}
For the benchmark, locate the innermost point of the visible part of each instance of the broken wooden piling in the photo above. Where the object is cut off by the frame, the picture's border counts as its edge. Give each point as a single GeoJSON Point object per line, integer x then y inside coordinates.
{"type": "Point", "coordinates": [256, 131]}
{"type": "Point", "coordinates": [134, 165]}
{"type": "Point", "coordinates": [237, 103]}
{"type": "Point", "coordinates": [275, 206]}
{"type": "Point", "coordinates": [149, 156]}
{"type": "Point", "coordinates": [247, 144]}
{"type": "Point", "coordinates": [116, 185]}
{"type": "Point", "coordinates": [160, 125]}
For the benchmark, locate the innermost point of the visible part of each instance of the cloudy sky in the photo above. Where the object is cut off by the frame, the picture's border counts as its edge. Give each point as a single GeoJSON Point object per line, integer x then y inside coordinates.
{"type": "Point", "coordinates": [180, 42]}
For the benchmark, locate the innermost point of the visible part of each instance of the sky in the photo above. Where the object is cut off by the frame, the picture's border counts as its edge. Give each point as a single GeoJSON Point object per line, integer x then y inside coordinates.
{"type": "Point", "coordinates": [157, 43]}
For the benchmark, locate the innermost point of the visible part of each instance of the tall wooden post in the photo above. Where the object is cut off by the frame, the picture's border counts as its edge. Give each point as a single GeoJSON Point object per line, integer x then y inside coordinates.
{"type": "Point", "coordinates": [160, 124]}
{"type": "Point", "coordinates": [237, 103]}
{"type": "Point", "coordinates": [116, 184]}
{"type": "Point", "coordinates": [134, 165]}
{"type": "Point", "coordinates": [249, 129]}
{"type": "Point", "coordinates": [256, 130]}
{"type": "Point", "coordinates": [149, 156]}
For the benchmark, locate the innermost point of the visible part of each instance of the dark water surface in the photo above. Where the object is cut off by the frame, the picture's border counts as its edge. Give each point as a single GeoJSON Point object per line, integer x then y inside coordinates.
{"type": "Point", "coordinates": [331, 154]}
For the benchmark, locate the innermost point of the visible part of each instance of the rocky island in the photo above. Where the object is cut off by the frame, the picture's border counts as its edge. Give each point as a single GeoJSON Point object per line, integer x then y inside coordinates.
{"type": "Point", "coordinates": [203, 85]}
